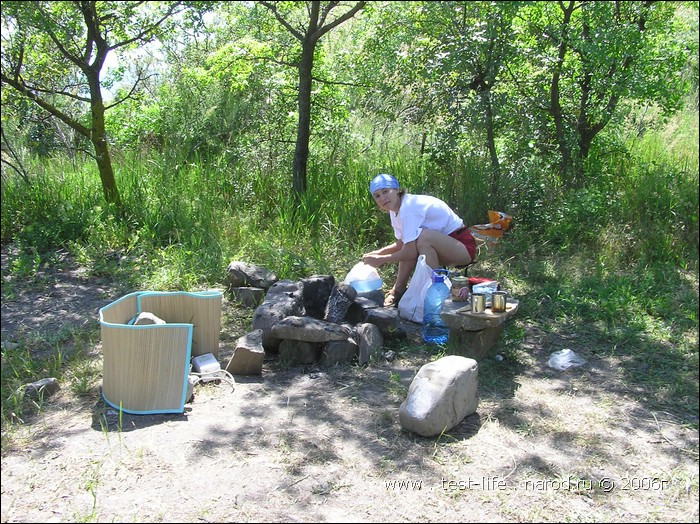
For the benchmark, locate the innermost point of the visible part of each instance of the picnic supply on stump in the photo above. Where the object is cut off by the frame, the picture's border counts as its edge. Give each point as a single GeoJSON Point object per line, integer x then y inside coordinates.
{"type": "Point", "coordinates": [478, 302]}
{"type": "Point", "coordinates": [434, 328]}
{"type": "Point", "coordinates": [498, 301]}
{"type": "Point", "coordinates": [487, 289]}
{"type": "Point", "coordinates": [460, 289]}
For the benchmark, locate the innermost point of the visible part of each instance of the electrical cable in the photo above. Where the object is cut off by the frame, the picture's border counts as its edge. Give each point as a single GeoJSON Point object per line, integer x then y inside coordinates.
{"type": "Point", "coordinates": [219, 374]}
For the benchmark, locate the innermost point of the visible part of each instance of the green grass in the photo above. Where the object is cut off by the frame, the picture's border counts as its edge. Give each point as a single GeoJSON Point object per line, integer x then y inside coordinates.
{"type": "Point", "coordinates": [615, 263]}
{"type": "Point", "coordinates": [67, 355]}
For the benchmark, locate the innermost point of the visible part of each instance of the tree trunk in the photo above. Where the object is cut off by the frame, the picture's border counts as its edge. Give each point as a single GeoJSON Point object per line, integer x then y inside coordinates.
{"type": "Point", "coordinates": [99, 141]}
{"type": "Point", "coordinates": [554, 94]}
{"type": "Point", "coordinates": [104, 164]}
{"type": "Point", "coordinates": [491, 144]}
{"type": "Point", "coordinates": [301, 153]}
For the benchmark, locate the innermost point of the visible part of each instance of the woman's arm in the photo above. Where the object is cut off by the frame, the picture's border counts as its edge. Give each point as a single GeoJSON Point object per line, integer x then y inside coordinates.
{"type": "Point", "coordinates": [397, 252]}
{"type": "Point", "coordinates": [387, 250]}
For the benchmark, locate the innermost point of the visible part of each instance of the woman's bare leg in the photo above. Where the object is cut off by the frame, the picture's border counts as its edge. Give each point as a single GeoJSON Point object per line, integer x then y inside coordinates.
{"type": "Point", "coordinates": [440, 249]}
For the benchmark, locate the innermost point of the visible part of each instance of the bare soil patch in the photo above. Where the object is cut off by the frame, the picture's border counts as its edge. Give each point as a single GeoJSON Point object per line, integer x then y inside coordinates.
{"type": "Point", "coordinates": [325, 444]}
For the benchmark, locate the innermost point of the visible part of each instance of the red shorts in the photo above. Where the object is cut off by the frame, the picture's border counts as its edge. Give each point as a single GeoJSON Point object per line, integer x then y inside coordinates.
{"type": "Point", "coordinates": [465, 237]}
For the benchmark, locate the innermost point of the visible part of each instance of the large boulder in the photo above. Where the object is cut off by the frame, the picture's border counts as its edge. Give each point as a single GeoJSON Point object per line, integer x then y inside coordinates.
{"type": "Point", "coordinates": [440, 396]}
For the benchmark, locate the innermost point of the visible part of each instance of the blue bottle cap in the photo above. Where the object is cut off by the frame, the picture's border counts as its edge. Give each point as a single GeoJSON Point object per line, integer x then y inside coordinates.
{"type": "Point", "coordinates": [438, 277]}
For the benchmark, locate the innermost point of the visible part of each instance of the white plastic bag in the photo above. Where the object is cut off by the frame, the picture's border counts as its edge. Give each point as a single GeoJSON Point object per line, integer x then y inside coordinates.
{"type": "Point", "coordinates": [363, 278]}
{"type": "Point", "coordinates": [565, 359]}
{"type": "Point", "coordinates": [411, 303]}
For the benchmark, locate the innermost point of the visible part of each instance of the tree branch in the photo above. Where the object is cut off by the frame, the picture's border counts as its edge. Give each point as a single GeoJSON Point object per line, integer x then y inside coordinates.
{"type": "Point", "coordinates": [273, 8]}
{"type": "Point", "coordinates": [345, 16]}
{"type": "Point", "coordinates": [19, 86]}
{"type": "Point", "coordinates": [19, 169]}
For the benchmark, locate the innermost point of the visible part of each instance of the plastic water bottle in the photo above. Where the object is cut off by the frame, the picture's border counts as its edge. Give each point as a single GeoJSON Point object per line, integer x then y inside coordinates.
{"type": "Point", "coordinates": [434, 328]}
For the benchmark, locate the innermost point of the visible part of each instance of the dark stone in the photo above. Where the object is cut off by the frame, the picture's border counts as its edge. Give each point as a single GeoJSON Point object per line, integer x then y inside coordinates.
{"type": "Point", "coordinates": [339, 302]}
{"type": "Point", "coordinates": [315, 293]}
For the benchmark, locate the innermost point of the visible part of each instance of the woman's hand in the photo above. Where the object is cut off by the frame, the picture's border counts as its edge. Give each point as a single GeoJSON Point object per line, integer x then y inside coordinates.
{"type": "Point", "coordinates": [373, 260]}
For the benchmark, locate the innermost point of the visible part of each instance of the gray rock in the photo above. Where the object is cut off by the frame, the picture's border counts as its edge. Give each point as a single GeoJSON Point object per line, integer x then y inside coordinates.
{"type": "Point", "coordinates": [388, 321]}
{"type": "Point", "coordinates": [248, 356]}
{"type": "Point", "coordinates": [440, 396]}
{"type": "Point", "coordinates": [370, 341]}
{"type": "Point", "coordinates": [309, 329]}
{"type": "Point", "coordinates": [358, 310]}
{"type": "Point", "coordinates": [294, 352]}
{"type": "Point", "coordinates": [376, 296]}
{"type": "Point", "coordinates": [283, 299]}
{"type": "Point", "coordinates": [241, 274]}
{"type": "Point", "coordinates": [339, 303]}
{"type": "Point", "coordinates": [316, 291]}
{"type": "Point", "coordinates": [43, 388]}
{"type": "Point", "coordinates": [248, 296]}
{"type": "Point", "coordinates": [339, 352]}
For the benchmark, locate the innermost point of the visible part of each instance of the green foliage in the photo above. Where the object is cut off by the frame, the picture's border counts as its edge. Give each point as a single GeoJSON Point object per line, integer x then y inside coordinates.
{"type": "Point", "coordinates": [645, 317]}
{"type": "Point", "coordinates": [59, 203]}
{"type": "Point", "coordinates": [668, 229]}
{"type": "Point", "coordinates": [215, 209]}
{"type": "Point", "coordinates": [593, 56]}
{"type": "Point", "coordinates": [204, 170]}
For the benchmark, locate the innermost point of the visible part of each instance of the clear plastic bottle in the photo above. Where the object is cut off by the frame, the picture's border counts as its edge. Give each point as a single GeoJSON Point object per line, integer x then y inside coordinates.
{"type": "Point", "coordinates": [434, 328]}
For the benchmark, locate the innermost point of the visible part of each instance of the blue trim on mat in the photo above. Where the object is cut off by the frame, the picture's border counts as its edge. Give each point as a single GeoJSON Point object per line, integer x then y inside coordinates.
{"type": "Point", "coordinates": [188, 356]}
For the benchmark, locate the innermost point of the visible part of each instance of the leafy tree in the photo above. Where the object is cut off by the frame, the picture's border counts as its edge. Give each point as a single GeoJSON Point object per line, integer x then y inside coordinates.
{"type": "Point", "coordinates": [53, 53]}
{"type": "Point", "coordinates": [584, 57]}
{"type": "Point", "coordinates": [225, 92]}
{"type": "Point", "coordinates": [532, 83]}
{"type": "Point", "coordinates": [308, 28]}
{"type": "Point", "coordinates": [463, 67]}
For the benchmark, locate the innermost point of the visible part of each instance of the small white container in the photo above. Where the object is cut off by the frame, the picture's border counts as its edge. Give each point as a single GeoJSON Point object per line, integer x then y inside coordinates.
{"type": "Point", "coordinates": [207, 366]}
{"type": "Point", "coordinates": [363, 278]}
{"type": "Point", "coordinates": [363, 286]}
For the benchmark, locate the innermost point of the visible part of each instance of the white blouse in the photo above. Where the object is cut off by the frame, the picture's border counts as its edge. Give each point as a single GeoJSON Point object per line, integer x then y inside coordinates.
{"type": "Point", "coordinates": [418, 212]}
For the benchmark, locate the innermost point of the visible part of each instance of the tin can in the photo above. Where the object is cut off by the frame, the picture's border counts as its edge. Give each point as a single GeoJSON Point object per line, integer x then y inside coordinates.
{"type": "Point", "coordinates": [498, 301]}
{"type": "Point", "coordinates": [478, 302]}
{"type": "Point", "coordinates": [460, 289]}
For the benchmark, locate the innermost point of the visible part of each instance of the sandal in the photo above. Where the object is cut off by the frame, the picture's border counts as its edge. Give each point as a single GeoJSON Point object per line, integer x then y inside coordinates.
{"type": "Point", "coordinates": [392, 299]}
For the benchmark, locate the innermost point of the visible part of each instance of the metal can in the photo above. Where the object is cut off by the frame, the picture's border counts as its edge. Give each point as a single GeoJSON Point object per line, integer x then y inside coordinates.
{"type": "Point", "coordinates": [460, 289]}
{"type": "Point", "coordinates": [478, 302]}
{"type": "Point", "coordinates": [498, 301]}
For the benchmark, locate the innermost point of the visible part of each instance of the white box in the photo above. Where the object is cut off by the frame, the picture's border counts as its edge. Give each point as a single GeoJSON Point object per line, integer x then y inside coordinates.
{"type": "Point", "coordinates": [207, 366]}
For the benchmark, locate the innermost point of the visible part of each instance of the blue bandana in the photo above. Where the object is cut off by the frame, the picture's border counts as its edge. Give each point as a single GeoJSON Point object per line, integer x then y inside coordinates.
{"type": "Point", "coordinates": [383, 181]}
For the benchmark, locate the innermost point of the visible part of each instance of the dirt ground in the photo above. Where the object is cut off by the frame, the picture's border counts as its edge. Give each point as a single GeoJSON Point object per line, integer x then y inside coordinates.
{"type": "Point", "coordinates": [325, 444]}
